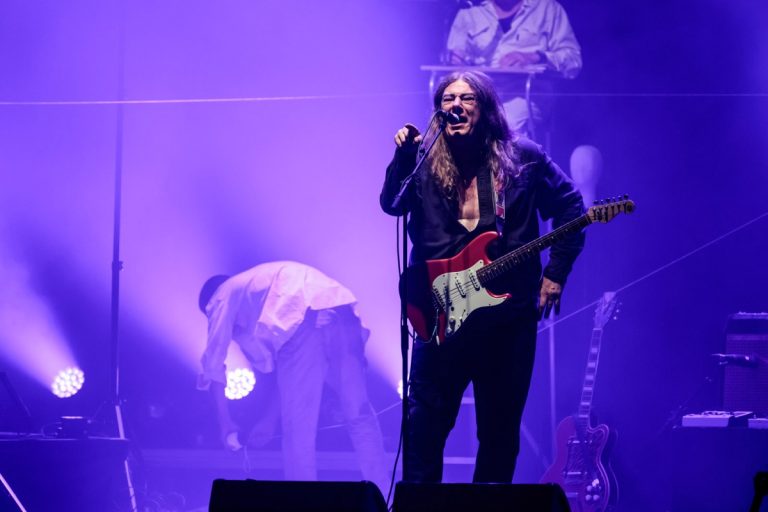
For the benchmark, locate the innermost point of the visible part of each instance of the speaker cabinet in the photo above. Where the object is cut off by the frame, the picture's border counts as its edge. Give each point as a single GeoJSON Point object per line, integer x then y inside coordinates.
{"type": "Point", "coordinates": [413, 497]}
{"type": "Point", "coordinates": [745, 388]}
{"type": "Point", "coordinates": [291, 496]}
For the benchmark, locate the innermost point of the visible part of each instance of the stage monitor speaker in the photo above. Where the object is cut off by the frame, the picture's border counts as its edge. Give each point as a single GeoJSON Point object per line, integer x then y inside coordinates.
{"type": "Point", "coordinates": [291, 496]}
{"type": "Point", "coordinates": [745, 388]}
{"type": "Point", "coordinates": [413, 497]}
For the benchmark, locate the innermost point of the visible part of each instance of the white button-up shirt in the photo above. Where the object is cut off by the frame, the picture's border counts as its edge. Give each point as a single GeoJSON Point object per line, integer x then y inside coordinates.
{"type": "Point", "coordinates": [261, 309]}
{"type": "Point", "coordinates": [539, 26]}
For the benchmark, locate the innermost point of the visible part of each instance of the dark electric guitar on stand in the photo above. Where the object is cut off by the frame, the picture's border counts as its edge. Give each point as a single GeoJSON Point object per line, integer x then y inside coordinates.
{"type": "Point", "coordinates": [442, 294]}
{"type": "Point", "coordinates": [582, 465]}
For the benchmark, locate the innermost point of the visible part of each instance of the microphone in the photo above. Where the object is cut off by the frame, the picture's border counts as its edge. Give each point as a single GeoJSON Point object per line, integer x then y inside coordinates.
{"type": "Point", "coordinates": [448, 116]}
{"type": "Point", "coordinates": [737, 360]}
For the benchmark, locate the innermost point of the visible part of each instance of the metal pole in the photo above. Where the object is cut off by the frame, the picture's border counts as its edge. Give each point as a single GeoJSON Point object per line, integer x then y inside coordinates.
{"type": "Point", "coordinates": [117, 264]}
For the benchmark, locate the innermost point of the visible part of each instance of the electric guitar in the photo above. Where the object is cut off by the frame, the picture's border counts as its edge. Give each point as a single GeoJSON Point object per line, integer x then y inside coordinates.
{"type": "Point", "coordinates": [582, 466]}
{"type": "Point", "coordinates": [442, 294]}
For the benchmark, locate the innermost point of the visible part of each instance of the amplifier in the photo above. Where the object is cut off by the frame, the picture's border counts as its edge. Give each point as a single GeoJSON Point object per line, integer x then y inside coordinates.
{"type": "Point", "coordinates": [746, 388]}
{"type": "Point", "coordinates": [758, 423]}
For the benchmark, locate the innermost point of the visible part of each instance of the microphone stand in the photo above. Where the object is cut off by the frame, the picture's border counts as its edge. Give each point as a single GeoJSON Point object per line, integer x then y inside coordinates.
{"type": "Point", "coordinates": [114, 400]}
{"type": "Point", "coordinates": [404, 335]}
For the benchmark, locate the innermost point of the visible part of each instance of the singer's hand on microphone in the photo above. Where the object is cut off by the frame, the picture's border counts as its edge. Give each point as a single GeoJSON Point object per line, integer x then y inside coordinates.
{"type": "Point", "coordinates": [407, 135]}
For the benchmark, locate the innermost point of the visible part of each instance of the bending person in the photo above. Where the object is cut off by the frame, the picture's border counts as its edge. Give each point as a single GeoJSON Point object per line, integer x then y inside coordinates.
{"type": "Point", "coordinates": [293, 320]}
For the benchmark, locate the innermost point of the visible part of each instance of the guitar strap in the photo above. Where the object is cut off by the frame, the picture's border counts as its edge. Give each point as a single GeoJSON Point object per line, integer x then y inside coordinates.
{"type": "Point", "coordinates": [498, 199]}
{"type": "Point", "coordinates": [487, 189]}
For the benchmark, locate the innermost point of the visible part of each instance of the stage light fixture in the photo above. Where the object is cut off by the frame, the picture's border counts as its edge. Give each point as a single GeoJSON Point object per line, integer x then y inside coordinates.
{"type": "Point", "coordinates": [68, 382]}
{"type": "Point", "coordinates": [240, 382]}
{"type": "Point", "coordinates": [400, 388]}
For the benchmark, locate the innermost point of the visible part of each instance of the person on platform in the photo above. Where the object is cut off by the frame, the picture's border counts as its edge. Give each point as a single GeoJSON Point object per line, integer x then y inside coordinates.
{"type": "Point", "coordinates": [479, 177]}
{"type": "Point", "coordinates": [528, 35]}
{"type": "Point", "coordinates": [518, 34]}
{"type": "Point", "coordinates": [293, 320]}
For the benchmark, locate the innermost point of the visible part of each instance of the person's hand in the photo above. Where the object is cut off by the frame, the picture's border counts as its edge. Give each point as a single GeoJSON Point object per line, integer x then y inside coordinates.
{"type": "Point", "coordinates": [519, 59]}
{"type": "Point", "coordinates": [407, 135]}
{"type": "Point", "coordinates": [232, 441]}
{"type": "Point", "coordinates": [229, 431]}
{"type": "Point", "coordinates": [549, 297]}
{"type": "Point", "coordinates": [456, 58]}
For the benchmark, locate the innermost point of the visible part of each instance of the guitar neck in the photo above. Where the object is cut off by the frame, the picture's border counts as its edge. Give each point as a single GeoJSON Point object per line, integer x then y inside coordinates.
{"type": "Point", "coordinates": [587, 390]}
{"type": "Point", "coordinates": [505, 263]}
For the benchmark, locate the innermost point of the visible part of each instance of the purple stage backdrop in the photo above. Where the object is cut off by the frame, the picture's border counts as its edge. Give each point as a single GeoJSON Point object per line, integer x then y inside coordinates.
{"type": "Point", "coordinates": [260, 130]}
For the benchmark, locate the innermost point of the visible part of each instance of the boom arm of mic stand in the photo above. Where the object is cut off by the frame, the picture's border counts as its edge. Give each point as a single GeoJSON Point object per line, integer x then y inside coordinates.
{"type": "Point", "coordinates": [404, 291]}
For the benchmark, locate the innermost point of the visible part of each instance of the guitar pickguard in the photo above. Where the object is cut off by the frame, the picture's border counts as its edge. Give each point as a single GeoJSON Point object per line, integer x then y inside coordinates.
{"type": "Point", "coordinates": [458, 294]}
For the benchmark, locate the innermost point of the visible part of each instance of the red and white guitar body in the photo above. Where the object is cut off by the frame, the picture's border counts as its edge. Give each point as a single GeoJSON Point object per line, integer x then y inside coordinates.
{"type": "Point", "coordinates": [456, 291]}
{"type": "Point", "coordinates": [442, 294]}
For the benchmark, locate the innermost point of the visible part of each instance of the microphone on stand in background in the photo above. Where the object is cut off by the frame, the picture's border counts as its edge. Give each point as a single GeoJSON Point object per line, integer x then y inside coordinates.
{"type": "Point", "coordinates": [749, 361]}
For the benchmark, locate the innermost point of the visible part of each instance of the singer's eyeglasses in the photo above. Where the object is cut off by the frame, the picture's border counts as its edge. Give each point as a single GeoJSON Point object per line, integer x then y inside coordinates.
{"type": "Point", "coordinates": [466, 99]}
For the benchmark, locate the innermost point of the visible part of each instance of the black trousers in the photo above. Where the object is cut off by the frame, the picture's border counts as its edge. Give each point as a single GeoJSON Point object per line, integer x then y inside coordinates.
{"type": "Point", "coordinates": [495, 351]}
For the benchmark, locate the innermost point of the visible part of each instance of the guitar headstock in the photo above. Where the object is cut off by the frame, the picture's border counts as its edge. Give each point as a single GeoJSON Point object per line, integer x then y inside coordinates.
{"type": "Point", "coordinates": [606, 309]}
{"type": "Point", "coordinates": [605, 210]}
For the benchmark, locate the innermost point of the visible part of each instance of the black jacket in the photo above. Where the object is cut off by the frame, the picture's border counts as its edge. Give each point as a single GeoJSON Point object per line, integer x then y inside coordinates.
{"type": "Point", "coordinates": [540, 188]}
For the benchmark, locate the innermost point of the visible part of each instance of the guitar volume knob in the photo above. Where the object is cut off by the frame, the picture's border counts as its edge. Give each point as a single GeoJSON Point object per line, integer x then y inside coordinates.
{"type": "Point", "coordinates": [451, 326]}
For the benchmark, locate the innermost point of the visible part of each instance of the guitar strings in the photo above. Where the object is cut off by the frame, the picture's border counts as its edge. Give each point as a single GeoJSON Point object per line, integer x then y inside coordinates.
{"type": "Point", "coordinates": [535, 247]}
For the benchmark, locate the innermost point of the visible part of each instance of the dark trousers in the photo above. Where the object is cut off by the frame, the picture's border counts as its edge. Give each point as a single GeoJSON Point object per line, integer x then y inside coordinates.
{"type": "Point", "coordinates": [495, 351]}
